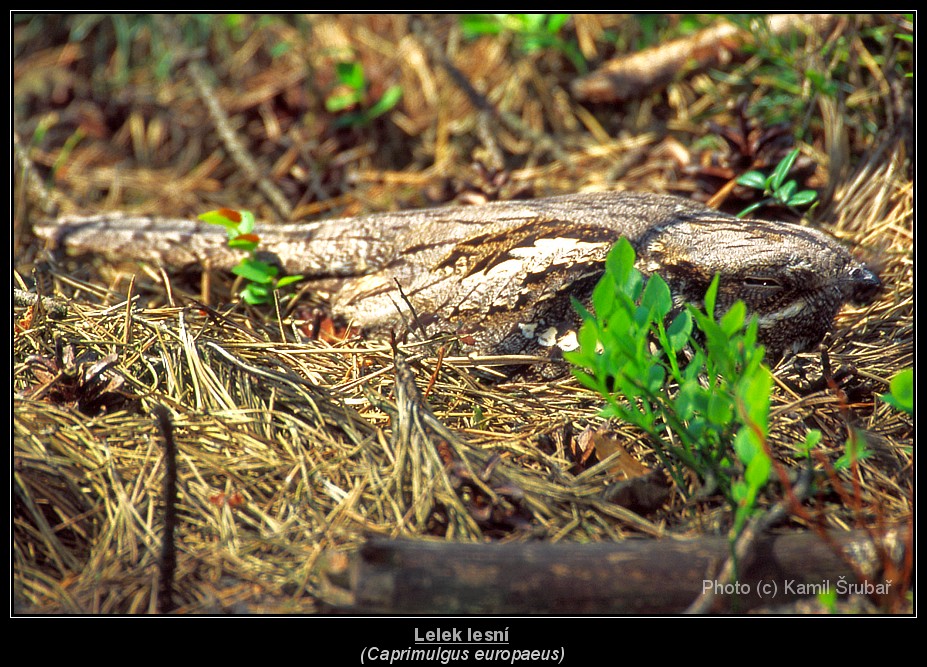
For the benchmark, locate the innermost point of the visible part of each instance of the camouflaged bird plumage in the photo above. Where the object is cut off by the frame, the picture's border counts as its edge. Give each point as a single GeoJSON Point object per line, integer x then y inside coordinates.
{"type": "Point", "coordinates": [503, 273]}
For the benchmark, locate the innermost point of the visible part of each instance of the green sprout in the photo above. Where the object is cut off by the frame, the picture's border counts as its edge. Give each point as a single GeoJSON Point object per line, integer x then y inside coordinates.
{"type": "Point", "coordinates": [776, 189]}
{"type": "Point", "coordinates": [352, 93]}
{"type": "Point", "coordinates": [261, 277]}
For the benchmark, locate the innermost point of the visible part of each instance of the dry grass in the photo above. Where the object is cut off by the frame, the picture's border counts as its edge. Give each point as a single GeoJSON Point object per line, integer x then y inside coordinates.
{"type": "Point", "coordinates": [292, 452]}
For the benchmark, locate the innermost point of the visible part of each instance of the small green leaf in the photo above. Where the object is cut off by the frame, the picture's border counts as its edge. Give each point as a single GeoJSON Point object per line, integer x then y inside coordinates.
{"type": "Point", "coordinates": [620, 261]}
{"type": "Point", "coordinates": [679, 331]}
{"type": "Point", "coordinates": [255, 294]}
{"type": "Point", "coordinates": [351, 74]}
{"type": "Point", "coordinates": [586, 355]}
{"type": "Point", "coordinates": [750, 337]}
{"type": "Point", "coordinates": [754, 391]}
{"type": "Point", "coordinates": [255, 271]}
{"type": "Point", "coordinates": [733, 320]}
{"type": "Point", "coordinates": [901, 388]}
{"type": "Point", "coordinates": [246, 226]}
{"type": "Point", "coordinates": [609, 411]}
{"type": "Point", "coordinates": [720, 409]}
{"type": "Point", "coordinates": [828, 599]}
{"type": "Point", "coordinates": [812, 438]}
{"type": "Point", "coordinates": [782, 170]}
{"type": "Point", "coordinates": [657, 297]}
{"type": "Point", "coordinates": [279, 49]}
{"type": "Point", "coordinates": [476, 25]}
{"type": "Point", "coordinates": [657, 376]}
{"type": "Point", "coordinates": [336, 103]}
{"type": "Point", "coordinates": [556, 21]}
{"type": "Point", "coordinates": [802, 198]}
{"type": "Point", "coordinates": [745, 445]}
{"type": "Point", "coordinates": [220, 217]}
{"type": "Point", "coordinates": [581, 309]}
{"type": "Point", "coordinates": [753, 179]}
{"type": "Point", "coordinates": [239, 243]}
{"type": "Point", "coordinates": [634, 285]}
{"type": "Point", "coordinates": [390, 98]}
{"type": "Point", "coordinates": [695, 366]}
{"type": "Point", "coordinates": [686, 401]}
{"type": "Point", "coordinates": [584, 378]}
{"type": "Point", "coordinates": [784, 194]}
{"type": "Point", "coordinates": [643, 318]}
{"type": "Point", "coordinates": [527, 22]}
{"type": "Point", "coordinates": [740, 492]}
{"type": "Point", "coordinates": [711, 296]}
{"type": "Point", "coordinates": [757, 473]}
{"type": "Point", "coordinates": [856, 450]}
{"type": "Point", "coordinates": [288, 280]}
{"type": "Point", "coordinates": [604, 300]}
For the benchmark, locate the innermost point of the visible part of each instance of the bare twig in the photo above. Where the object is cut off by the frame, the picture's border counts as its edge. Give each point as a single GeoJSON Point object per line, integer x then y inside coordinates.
{"type": "Point", "coordinates": [486, 112]}
{"type": "Point", "coordinates": [36, 190]}
{"type": "Point", "coordinates": [233, 145]}
{"type": "Point", "coordinates": [167, 563]}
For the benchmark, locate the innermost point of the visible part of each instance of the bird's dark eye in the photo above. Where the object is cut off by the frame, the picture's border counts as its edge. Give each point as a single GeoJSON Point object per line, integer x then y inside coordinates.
{"type": "Point", "coordinates": [762, 282]}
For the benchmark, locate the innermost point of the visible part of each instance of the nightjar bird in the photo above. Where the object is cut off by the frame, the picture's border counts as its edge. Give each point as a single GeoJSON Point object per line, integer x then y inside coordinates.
{"type": "Point", "coordinates": [502, 274]}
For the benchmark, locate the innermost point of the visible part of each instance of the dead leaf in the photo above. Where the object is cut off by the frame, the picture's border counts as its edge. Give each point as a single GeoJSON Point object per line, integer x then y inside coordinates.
{"type": "Point", "coordinates": [604, 443]}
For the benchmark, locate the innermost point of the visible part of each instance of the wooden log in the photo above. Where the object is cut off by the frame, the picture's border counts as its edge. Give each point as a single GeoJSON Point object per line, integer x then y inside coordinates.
{"type": "Point", "coordinates": [631, 577]}
{"type": "Point", "coordinates": [638, 74]}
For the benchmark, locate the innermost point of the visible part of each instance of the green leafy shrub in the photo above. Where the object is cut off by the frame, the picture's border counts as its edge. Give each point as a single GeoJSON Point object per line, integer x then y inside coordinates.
{"type": "Point", "coordinates": [709, 415]}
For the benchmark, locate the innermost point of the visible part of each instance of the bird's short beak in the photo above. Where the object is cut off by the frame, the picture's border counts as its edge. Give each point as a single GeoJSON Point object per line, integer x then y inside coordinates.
{"type": "Point", "coordinates": [865, 285]}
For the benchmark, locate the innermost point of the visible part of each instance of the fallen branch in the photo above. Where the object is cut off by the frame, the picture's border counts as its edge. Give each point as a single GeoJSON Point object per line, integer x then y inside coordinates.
{"type": "Point", "coordinates": [630, 577]}
{"type": "Point", "coordinates": [635, 75]}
